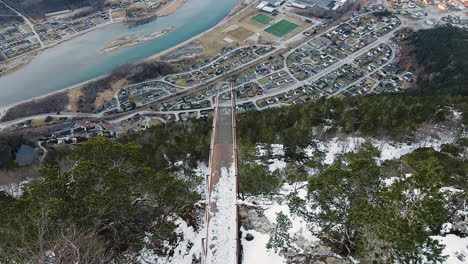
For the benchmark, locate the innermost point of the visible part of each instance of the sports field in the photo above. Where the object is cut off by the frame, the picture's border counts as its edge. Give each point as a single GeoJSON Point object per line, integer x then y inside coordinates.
{"type": "Point", "coordinates": [281, 28]}
{"type": "Point", "coordinates": [262, 19]}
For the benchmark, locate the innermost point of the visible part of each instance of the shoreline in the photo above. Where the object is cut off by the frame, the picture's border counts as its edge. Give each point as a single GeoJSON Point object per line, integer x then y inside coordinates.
{"type": "Point", "coordinates": [172, 7]}
{"type": "Point", "coordinates": [4, 109]}
{"type": "Point", "coordinates": [180, 45]}
{"type": "Point", "coordinates": [28, 56]}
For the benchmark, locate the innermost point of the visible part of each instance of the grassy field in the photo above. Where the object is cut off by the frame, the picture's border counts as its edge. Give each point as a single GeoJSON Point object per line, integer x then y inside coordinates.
{"type": "Point", "coordinates": [281, 28]}
{"type": "Point", "coordinates": [262, 19]}
{"type": "Point", "coordinates": [241, 33]}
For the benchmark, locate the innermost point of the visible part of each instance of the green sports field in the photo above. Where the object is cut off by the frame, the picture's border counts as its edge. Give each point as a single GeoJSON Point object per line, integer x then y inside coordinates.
{"type": "Point", "coordinates": [281, 28]}
{"type": "Point", "coordinates": [262, 19]}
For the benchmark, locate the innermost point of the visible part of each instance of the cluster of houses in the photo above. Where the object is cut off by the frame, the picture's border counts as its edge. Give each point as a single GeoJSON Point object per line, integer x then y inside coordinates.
{"type": "Point", "coordinates": [129, 98]}
{"type": "Point", "coordinates": [76, 132]}
{"type": "Point", "coordinates": [306, 61]}
{"type": "Point", "coordinates": [248, 90]}
{"type": "Point", "coordinates": [189, 102]}
{"type": "Point", "coordinates": [234, 59]}
{"type": "Point", "coordinates": [109, 107]}
{"type": "Point", "coordinates": [16, 39]}
{"type": "Point", "coordinates": [419, 4]}
{"type": "Point", "coordinates": [302, 94]}
{"type": "Point", "coordinates": [275, 80]}
{"type": "Point", "coordinates": [375, 57]}
{"type": "Point", "coordinates": [355, 34]}
{"type": "Point", "coordinates": [273, 64]}
{"type": "Point", "coordinates": [55, 30]}
{"type": "Point", "coordinates": [125, 103]}
{"type": "Point", "coordinates": [311, 58]}
{"type": "Point", "coordinates": [455, 20]}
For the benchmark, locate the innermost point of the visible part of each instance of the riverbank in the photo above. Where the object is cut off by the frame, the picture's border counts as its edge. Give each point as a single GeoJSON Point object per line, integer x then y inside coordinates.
{"type": "Point", "coordinates": [171, 7]}
{"type": "Point", "coordinates": [30, 56]}
{"type": "Point", "coordinates": [236, 10]}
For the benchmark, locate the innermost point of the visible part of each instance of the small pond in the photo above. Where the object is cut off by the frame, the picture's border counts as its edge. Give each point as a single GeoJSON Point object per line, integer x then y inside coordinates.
{"type": "Point", "coordinates": [25, 155]}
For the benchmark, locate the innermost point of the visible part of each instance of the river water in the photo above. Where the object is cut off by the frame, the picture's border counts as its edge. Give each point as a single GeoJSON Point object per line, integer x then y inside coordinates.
{"type": "Point", "coordinates": [76, 60]}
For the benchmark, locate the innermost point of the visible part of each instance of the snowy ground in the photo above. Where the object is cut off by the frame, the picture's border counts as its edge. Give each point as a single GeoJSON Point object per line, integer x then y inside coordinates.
{"type": "Point", "coordinates": [15, 189]}
{"type": "Point", "coordinates": [456, 248]}
{"type": "Point", "coordinates": [222, 228]}
{"type": "Point", "coordinates": [189, 244]}
{"type": "Point", "coordinates": [255, 251]}
{"type": "Point", "coordinates": [389, 149]}
{"type": "Point", "coordinates": [188, 247]}
{"type": "Point", "coordinates": [432, 137]}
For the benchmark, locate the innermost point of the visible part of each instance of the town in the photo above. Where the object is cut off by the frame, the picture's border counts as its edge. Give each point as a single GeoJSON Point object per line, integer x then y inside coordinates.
{"type": "Point", "coordinates": [355, 57]}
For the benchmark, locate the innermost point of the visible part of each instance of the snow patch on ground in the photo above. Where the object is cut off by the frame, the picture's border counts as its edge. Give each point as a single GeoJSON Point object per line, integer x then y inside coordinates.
{"type": "Point", "coordinates": [255, 251]}
{"type": "Point", "coordinates": [450, 189]}
{"type": "Point", "coordinates": [202, 171]}
{"type": "Point", "coordinates": [276, 164]}
{"type": "Point", "coordinates": [301, 236]}
{"type": "Point", "coordinates": [389, 149]}
{"type": "Point", "coordinates": [299, 229]}
{"type": "Point", "coordinates": [334, 147]}
{"type": "Point", "coordinates": [188, 246]}
{"type": "Point", "coordinates": [276, 150]}
{"type": "Point", "coordinates": [455, 247]}
{"type": "Point", "coordinates": [390, 181]}
{"type": "Point", "coordinates": [15, 189]}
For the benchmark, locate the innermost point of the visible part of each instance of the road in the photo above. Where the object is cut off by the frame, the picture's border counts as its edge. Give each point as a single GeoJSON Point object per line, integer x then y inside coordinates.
{"type": "Point", "coordinates": [348, 60]}
{"type": "Point", "coordinates": [25, 20]}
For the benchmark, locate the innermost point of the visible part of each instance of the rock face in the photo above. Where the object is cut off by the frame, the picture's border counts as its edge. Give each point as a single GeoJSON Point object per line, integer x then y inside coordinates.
{"type": "Point", "coordinates": [252, 217]}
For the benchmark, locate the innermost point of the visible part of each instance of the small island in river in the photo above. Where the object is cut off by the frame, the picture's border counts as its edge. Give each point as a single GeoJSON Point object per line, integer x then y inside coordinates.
{"type": "Point", "coordinates": [132, 40]}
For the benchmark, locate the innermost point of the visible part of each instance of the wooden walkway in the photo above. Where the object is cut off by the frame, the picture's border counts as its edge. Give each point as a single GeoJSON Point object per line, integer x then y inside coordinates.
{"type": "Point", "coordinates": [222, 239]}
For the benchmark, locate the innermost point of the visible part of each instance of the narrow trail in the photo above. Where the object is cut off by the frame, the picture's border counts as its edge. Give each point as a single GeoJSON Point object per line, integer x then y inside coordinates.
{"type": "Point", "coordinates": [221, 244]}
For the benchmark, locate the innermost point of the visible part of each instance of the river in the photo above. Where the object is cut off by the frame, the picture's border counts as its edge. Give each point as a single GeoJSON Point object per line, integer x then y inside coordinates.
{"type": "Point", "coordinates": [76, 60]}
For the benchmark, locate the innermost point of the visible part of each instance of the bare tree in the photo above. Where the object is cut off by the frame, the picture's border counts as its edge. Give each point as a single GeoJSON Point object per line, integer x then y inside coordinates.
{"type": "Point", "coordinates": [76, 246]}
